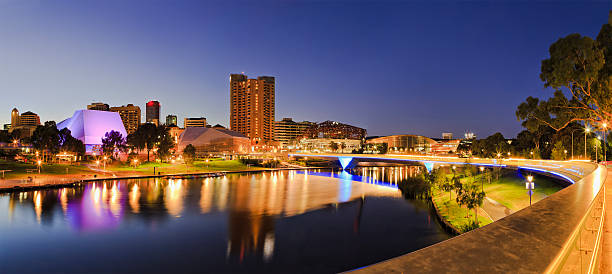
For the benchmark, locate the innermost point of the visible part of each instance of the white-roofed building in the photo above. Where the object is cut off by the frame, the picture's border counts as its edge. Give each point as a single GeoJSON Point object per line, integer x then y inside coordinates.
{"type": "Point", "coordinates": [90, 126]}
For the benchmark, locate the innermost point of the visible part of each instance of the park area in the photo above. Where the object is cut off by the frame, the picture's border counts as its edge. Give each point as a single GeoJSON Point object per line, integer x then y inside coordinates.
{"type": "Point", "coordinates": [504, 195]}
{"type": "Point", "coordinates": [15, 172]}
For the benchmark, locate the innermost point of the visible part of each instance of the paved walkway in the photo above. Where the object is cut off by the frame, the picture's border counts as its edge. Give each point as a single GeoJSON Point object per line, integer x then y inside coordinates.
{"type": "Point", "coordinates": [495, 210]}
{"type": "Point", "coordinates": [605, 265]}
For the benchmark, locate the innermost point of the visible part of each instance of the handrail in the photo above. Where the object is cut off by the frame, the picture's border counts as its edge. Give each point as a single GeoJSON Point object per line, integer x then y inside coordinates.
{"type": "Point", "coordinates": [580, 252]}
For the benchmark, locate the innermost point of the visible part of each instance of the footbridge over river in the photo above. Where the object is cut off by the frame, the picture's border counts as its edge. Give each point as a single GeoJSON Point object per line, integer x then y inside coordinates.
{"type": "Point", "coordinates": [561, 233]}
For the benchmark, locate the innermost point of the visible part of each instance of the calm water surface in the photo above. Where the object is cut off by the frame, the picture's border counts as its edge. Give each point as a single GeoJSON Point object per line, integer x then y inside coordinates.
{"type": "Point", "coordinates": [286, 221]}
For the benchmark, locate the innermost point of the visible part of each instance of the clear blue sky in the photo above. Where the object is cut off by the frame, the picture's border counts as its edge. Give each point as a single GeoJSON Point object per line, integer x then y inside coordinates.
{"type": "Point", "coordinates": [392, 67]}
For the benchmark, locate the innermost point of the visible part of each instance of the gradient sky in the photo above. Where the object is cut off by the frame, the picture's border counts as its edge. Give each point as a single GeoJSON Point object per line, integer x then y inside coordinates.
{"type": "Point", "coordinates": [395, 67]}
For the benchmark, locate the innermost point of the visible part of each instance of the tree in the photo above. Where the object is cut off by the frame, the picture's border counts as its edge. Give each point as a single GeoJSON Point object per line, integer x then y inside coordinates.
{"type": "Point", "coordinates": [113, 142]}
{"type": "Point", "coordinates": [491, 146]}
{"type": "Point", "coordinates": [383, 148]}
{"type": "Point", "coordinates": [465, 147]}
{"type": "Point", "coordinates": [582, 68]}
{"type": "Point", "coordinates": [333, 146]}
{"type": "Point", "coordinates": [473, 198]}
{"type": "Point", "coordinates": [342, 146]}
{"type": "Point", "coordinates": [69, 143]}
{"type": "Point", "coordinates": [144, 137]}
{"type": "Point", "coordinates": [46, 139]}
{"type": "Point", "coordinates": [446, 185]}
{"type": "Point", "coordinates": [189, 153]}
{"type": "Point", "coordinates": [558, 151]}
{"type": "Point", "coordinates": [5, 137]}
{"type": "Point", "coordinates": [165, 143]}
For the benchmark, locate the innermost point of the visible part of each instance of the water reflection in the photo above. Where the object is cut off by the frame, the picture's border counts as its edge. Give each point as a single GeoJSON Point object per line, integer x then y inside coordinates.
{"type": "Point", "coordinates": [253, 205]}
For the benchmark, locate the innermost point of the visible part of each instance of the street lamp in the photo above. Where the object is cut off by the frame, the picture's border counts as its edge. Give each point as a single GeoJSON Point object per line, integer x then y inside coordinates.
{"type": "Point", "coordinates": [596, 149]}
{"type": "Point", "coordinates": [529, 185]}
{"type": "Point", "coordinates": [586, 130]}
{"type": "Point", "coordinates": [481, 179]}
{"type": "Point", "coordinates": [105, 162]}
{"type": "Point", "coordinates": [605, 126]}
{"type": "Point", "coordinates": [573, 141]}
{"type": "Point", "coordinates": [39, 163]}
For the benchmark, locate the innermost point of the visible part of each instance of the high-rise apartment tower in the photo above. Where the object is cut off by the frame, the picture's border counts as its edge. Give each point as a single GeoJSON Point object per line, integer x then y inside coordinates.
{"type": "Point", "coordinates": [153, 112]}
{"type": "Point", "coordinates": [252, 106]}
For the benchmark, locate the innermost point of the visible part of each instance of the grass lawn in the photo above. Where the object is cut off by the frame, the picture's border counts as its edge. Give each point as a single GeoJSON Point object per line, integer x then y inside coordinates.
{"type": "Point", "coordinates": [510, 190]}
{"type": "Point", "coordinates": [455, 215]}
{"type": "Point", "coordinates": [197, 166]}
{"type": "Point", "coordinates": [19, 170]}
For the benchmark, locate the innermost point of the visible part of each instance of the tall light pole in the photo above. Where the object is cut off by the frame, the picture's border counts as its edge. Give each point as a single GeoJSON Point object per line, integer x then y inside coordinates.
{"type": "Point", "coordinates": [586, 130]}
{"type": "Point", "coordinates": [481, 179]}
{"type": "Point", "coordinates": [604, 144]}
{"type": "Point", "coordinates": [573, 142]}
{"type": "Point", "coordinates": [596, 150]}
{"type": "Point", "coordinates": [529, 186]}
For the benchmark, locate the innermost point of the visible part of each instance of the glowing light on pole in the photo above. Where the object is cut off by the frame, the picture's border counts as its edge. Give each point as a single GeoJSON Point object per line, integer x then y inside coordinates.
{"type": "Point", "coordinates": [529, 185]}
{"type": "Point", "coordinates": [596, 149]}
{"type": "Point", "coordinates": [481, 180]}
{"type": "Point", "coordinates": [605, 126]}
{"type": "Point", "coordinates": [586, 130]}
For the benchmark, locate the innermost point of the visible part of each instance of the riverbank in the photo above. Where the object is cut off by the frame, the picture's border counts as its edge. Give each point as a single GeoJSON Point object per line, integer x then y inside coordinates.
{"type": "Point", "coordinates": [68, 181]}
{"type": "Point", "coordinates": [457, 218]}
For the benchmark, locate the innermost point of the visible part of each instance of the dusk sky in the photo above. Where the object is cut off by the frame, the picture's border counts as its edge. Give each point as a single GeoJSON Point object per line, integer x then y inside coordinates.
{"type": "Point", "coordinates": [396, 67]}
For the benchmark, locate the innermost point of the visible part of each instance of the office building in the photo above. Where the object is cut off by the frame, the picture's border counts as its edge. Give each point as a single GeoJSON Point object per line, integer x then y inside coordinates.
{"type": "Point", "coordinates": [7, 127]}
{"type": "Point", "coordinates": [287, 130]}
{"type": "Point", "coordinates": [195, 122]}
{"type": "Point", "coordinates": [335, 130]}
{"type": "Point", "coordinates": [325, 145]}
{"type": "Point", "coordinates": [405, 144]}
{"type": "Point", "coordinates": [130, 116]}
{"type": "Point", "coordinates": [29, 119]}
{"type": "Point", "coordinates": [23, 124]}
{"type": "Point", "coordinates": [252, 107]}
{"type": "Point", "coordinates": [171, 120]}
{"type": "Point", "coordinates": [98, 106]}
{"type": "Point", "coordinates": [153, 112]}
{"type": "Point", "coordinates": [447, 135]}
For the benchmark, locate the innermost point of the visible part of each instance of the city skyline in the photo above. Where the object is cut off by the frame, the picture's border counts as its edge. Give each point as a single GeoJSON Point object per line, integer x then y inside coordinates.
{"type": "Point", "coordinates": [182, 57]}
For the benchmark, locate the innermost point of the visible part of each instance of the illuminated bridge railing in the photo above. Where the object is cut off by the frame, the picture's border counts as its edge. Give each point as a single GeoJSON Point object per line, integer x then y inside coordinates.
{"type": "Point", "coordinates": [582, 251]}
{"type": "Point", "coordinates": [560, 234]}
